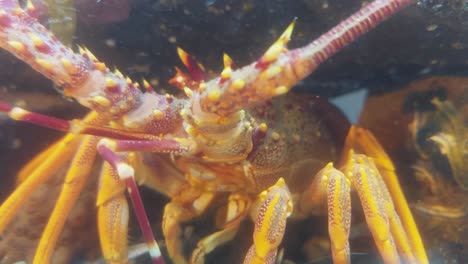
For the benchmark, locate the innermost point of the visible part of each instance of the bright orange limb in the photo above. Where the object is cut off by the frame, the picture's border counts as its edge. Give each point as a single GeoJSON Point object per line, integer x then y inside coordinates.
{"type": "Point", "coordinates": [383, 221]}
{"type": "Point", "coordinates": [396, 228]}
{"type": "Point", "coordinates": [271, 211]}
{"type": "Point", "coordinates": [364, 178]}
{"type": "Point", "coordinates": [364, 142]}
{"type": "Point", "coordinates": [332, 185]}
{"type": "Point", "coordinates": [61, 153]}
{"type": "Point", "coordinates": [40, 158]}
{"type": "Point", "coordinates": [211, 242]}
{"type": "Point", "coordinates": [75, 180]}
{"type": "Point", "coordinates": [113, 216]}
{"type": "Point", "coordinates": [184, 207]}
{"type": "Point", "coordinates": [126, 173]}
{"type": "Point", "coordinates": [236, 211]}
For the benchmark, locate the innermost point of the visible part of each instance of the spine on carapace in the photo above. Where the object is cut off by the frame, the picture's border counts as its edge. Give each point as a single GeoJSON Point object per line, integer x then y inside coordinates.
{"type": "Point", "coordinates": [278, 70]}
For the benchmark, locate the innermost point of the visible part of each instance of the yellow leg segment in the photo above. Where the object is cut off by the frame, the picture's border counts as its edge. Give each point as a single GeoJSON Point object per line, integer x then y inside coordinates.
{"type": "Point", "coordinates": [52, 159]}
{"type": "Point", "coordinates": [271, 211]}
{"type": "Point", "coordinates": [396, 228]}
{"type": "Point", "coordinates": [113, 214]}
{"type": "Point", "coordinates": [236, 212]}
{"type": "Point", "coordinates": [331, 185]}
{"type": "Point", "coordinates": [364, 142]}
{"type": "Point", "coordinates": [75, 180]}
{"type": "Point", "coordinates": [364, 179]}
{"type": "Point", "coordinates": [211, 242]}
{"type": "Point", "coordinates": [184, 207]}
{"type": "Point", "coordinates": [40, 158]}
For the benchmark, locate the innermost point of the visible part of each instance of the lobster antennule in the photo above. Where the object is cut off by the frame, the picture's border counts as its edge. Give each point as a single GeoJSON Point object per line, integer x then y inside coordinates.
{"type": "Point", "coordinates": [278, 70]}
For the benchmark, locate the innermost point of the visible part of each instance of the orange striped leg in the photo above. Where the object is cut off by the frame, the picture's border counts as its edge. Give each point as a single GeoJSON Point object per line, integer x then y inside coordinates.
{"type": "Point", "coordinates": [75, 180]}
{"type": "Point", "coordinates": [270, 213]}
{"type": "Point", "coordinates": [57, 156]}
{"type": "Point", "coordinates": [331, 185]}
{"type": "Point", "coordinates": [364, 142]}
{"type": "Point", "coordinates": [112, 216]}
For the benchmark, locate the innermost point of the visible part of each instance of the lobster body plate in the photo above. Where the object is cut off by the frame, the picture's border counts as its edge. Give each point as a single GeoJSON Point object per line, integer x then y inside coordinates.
{"type": "Point", "coordinates": [302, 135]}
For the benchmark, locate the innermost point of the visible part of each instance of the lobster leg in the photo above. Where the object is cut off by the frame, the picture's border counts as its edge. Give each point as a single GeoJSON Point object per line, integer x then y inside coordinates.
{"type": "Point", "coordinates": [211, 242]}
{"type": "Point", "coordinates": [361, 172]}
{"type": "Point", "coordinates": [183, 207]}
{"type": "Point", "coordinates": [271, 211]}
{"type": "Point", "coordinates": [362, 141]}
{"type": "Point", "coordinates": [39, 159]}
{"type": "Point", "coordinates": [57, 155]}
{"type": "Point", "coordinates": [236, 211]}
{"type": "Point", "coordinates": [331, 185]}
{"type": "Point", "coordinates": [378, 209]}
{"type": "Point", "coordinates": [113, 216]}
{"type": "Point", "coordinates": [113, 207]}
{"type": "Point", "coordinates": [126, 173]}
{"type": "Point", "coordinates": [75, 180]}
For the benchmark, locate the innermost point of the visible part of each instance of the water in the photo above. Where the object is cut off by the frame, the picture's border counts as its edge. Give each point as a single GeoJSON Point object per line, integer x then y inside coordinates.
{"type": "Point", "coordinates": [425, 41]}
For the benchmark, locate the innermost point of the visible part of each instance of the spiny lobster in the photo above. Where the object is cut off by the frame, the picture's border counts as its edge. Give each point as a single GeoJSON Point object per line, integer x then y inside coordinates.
{"type": "Point", "coordinates": [237, 137]}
